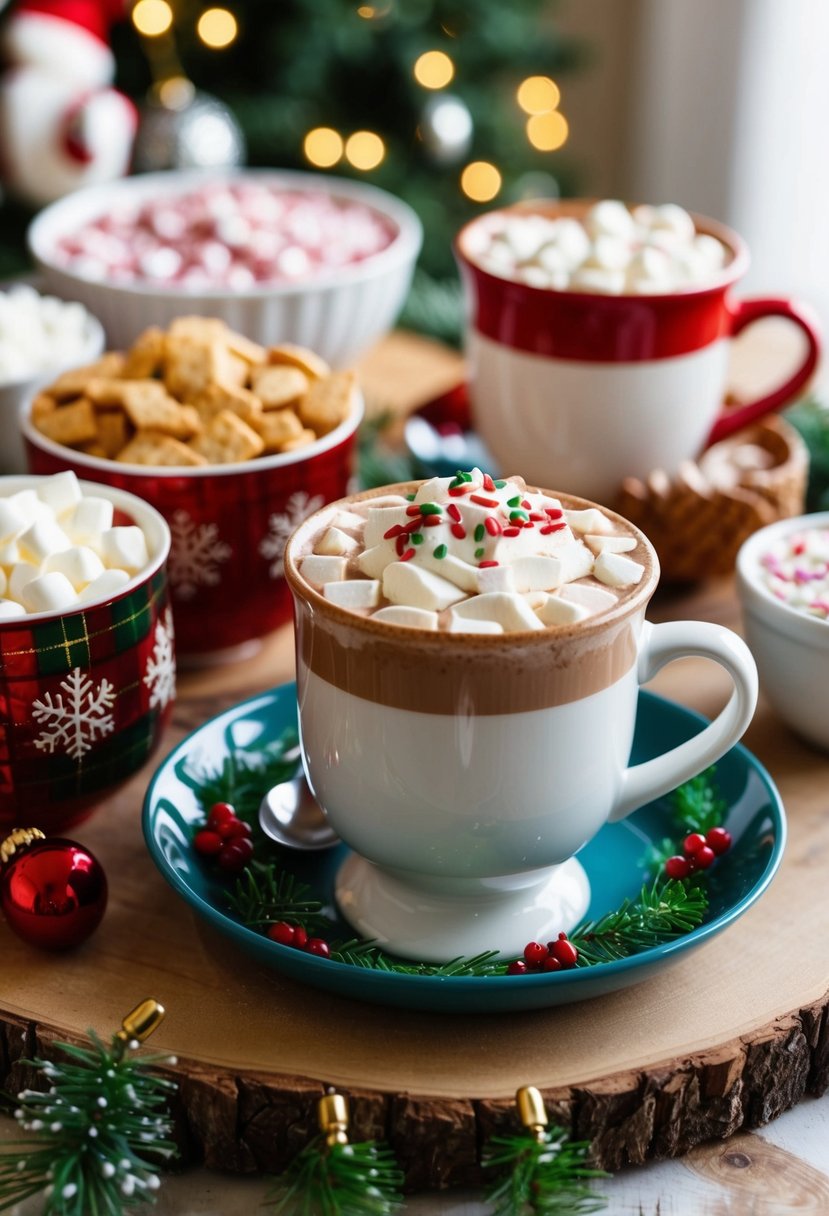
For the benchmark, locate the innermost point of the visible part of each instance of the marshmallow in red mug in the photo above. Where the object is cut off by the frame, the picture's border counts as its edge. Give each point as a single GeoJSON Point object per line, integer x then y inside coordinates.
{"type": "Point", "coordinates": [591, 357]}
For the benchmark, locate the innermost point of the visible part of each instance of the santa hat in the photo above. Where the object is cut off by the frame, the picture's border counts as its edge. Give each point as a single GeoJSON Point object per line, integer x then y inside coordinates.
{"type": "Point", "coordinates": [68, 37]}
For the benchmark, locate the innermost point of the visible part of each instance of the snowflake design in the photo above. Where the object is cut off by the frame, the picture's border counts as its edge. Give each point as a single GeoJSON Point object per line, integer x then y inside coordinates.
{"type": "Point", "coordinates": [73, 725]}
{"type": "Point", "coordinates": [160, 675]}
{"type": "Point", "coordinates": [298, 507]}
{"type": "Point", "coordinates": [195, 556]}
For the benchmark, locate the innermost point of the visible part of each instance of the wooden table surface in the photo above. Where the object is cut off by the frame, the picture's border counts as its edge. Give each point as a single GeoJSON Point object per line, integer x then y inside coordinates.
{"type": "Point", "coordinates": [783, 1167]}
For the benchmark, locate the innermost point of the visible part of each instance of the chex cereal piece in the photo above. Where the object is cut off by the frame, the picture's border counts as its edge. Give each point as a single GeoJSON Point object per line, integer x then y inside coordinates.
{"type": "Point", "coordinates": [93, 449]}
{"type": "Point", "coordinates": [190, 366]}
{"type": "Point", "coordinates": [113, 432]}
{"type": "Point", "coordinates": [149, 408]}
{"type": "Point", "coordinates": [328, 402]}
{"type": "Point", "coordinates": [146, 355]}
{"type": "Point", "coordinates": [307, 436]}
{"type": "Point", "coordinates": [218, 397]}
{"type": "Point", "coordinates": [155, 448]}
{"type": "Point", "coordinates": [306, 360]}
{"type": "Point", "coordinates": [42, 405]}
{"type": "Point", "coordinates": [105, 392]}
{"type": "Point", "coordinates": [227, 439]}
{"type": "Point", "coordinates": [246, 349]}
{"type": "Point", "coordinates": [236, 370]}
{"type": "Point", "coordinates": [71, 425]}
{"type": "Point", "coordinates": [278, 386]}
{"type": "Point", "coordinates": [198, 329]}
{"type": "Point", "coordinates": [73, 383]}
{"type": "Point", "coordinates": [278, 428]}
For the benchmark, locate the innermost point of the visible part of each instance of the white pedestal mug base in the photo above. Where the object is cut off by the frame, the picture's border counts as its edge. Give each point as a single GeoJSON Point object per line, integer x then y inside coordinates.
{"type": "Point", "coordinates": [437, 920]}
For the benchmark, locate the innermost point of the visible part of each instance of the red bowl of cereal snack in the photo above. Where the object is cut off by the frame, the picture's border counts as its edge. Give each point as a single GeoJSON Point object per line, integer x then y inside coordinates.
{"type": "Point", "coordinates": [310, 258]}
{"type": "Point", "coordinates": [232, 442]}
{"type": "Point", "coordinates": [87, 658]}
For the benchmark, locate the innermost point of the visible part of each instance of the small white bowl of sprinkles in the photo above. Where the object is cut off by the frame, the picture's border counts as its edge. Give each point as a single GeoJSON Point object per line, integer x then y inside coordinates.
{"type": "Point", "coordinates": [783, 584]}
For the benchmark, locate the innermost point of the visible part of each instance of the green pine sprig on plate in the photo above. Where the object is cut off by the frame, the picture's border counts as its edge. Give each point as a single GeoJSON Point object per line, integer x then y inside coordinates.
{"type": "Point", "coordinates": [547, 1176]}
{"type": "Point", "coordinates": [264, 895]}
{"type": "Point", "coordinates": [339, 1180]}
{"type": "Point", "coordinates": [660, 913]}
{"type": "Point", "coordinates": [244, 775]}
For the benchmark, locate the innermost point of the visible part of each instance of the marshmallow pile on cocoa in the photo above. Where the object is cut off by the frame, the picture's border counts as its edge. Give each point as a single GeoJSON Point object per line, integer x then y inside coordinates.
{"type": "Point", "coordinates": [59, 549]}
{"type": "Point", "coordinates": [614, 250]}
{"type": "Point", "coordinates": [469, 554]}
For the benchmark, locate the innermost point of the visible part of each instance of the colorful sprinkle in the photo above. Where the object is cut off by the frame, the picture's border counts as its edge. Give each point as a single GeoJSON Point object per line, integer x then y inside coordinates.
{"type": "Point", "coordinates": [548, 528]}
{"type": "Point", "coordinates": [499, 485]}
{"type": "Point", "coordinates": [440, 552]}
{"type": "Point", "coordinates": [492, 526]}
{"type": "Point", "coordinates": [457, 490]}
{"type": "Point", "coordinates": [393, 531]}
{"type": "Point", "coordinates": [407, 556]}
{"type": "Point", "coordinates": [480, 552]}
{"type": "Point", "coordinates": [432, 521]}
{"type": "Point", "coordinates": [458, 531]}
{"type": "Point", "coordinates": [412, 510]}
{"type": "Point", "coordinates": [511, 531]}
{"type": "Point", "coordinates": [486, 565]}
{"type": "Point", "coordinates": [416, 538]}
{"type": "Point", "coordinates": [410, 498]}
{"type": "Point", "coordinates": [518, 514]}
{"type": "Point", "coordinates": [454, 512]}
{"type": "Point", "coordinates": [554, 512]}
{"type": "Point", "coordinates": [483, 501]}
{"type": "Point", "coordinates": [479, 532]}
{"type": "Point", "coordinates": [489, 484]}
{"type": "Point", "coordinates": [430, 508]}
{"type": "Point", "coordinates": [514, 502]}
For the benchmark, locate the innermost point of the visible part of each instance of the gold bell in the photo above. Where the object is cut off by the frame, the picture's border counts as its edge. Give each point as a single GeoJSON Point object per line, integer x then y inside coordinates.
{"type": "Point", "coordinates": [332, 1115]}
{"type": "Point", "coordinates": [142, 1021]}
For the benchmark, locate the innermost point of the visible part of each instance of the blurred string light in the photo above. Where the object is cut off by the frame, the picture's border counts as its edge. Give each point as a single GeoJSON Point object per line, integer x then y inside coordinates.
{"type": "Point", "coordinates": [538, 95]}
{"type": "Point", "coordinates": [323, 147]}
{"type": "Point", "coordinates": [480, 181]}
{"type": "Point", "coordinates": [217, 28]}
{"type": "Point", "coordinates": [433, 69]}
{"type": "Point", "coordinates": [547, 132]}
{"type": "Point", "coordinates": [364, 150]}
{"type": "Point", "coordinates": [152, 17]}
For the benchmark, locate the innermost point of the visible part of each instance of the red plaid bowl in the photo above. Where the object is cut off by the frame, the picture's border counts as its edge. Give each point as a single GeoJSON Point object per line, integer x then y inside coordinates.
{"type": "Point", "coordinates": [229, 524]}
{"type": "Point", "coordinates": [85, 694]}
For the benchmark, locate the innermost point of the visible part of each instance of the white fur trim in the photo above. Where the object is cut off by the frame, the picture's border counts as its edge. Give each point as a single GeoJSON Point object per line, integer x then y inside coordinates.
{"type": "Point", "coordinates": [36, 39]}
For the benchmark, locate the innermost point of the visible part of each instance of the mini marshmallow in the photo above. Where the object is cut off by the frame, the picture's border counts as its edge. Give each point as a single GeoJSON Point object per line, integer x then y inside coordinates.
{"type": "Point", "coordinates": [12, 522]}
{"type": "Point", "coordinates": [711, 250]}
{"type": "Point", "coordinates": [610, 544]}
{"type": "Point", "coordinates": [89, 519]}
{"type": "Point", "coordinates": [321, 570]}
{"type": "Point", "coordinates": [104, 586]}
{"type": "Point", "coordinates": [348, 519]}
{"type": "Point", "coordinates": [20, 574]}
{"type": "Point", "coordinates": [595, 599]}
{"type": "Point", "coordinates": [9, 553]}
{"type": "Point", "coordinates": [454, 570]}
{"type": "Point", "coordinates": [411, 618]}
{"type": "Point", "coordinates": [546, 573]}
{"type": "Point", "coordinates": [372, 562]}
{"type": "Point", "coordinates": [42, 539]}
{"type": "Point", "coordinates": [380, 520]}
{"type": "Point", "coordinates": [590, 520]}
{"type": "Point", "coordinates": [609, 217]}
{"type": "Point", "coordinates": [496, 578]}
{"type": "Point", "coordinates": [535, 599]}
{"type": "Point", "coordinates": [558, 611]}
{"type": "Point", "coordinates": [602, 282]}
{"type": "Point", "coordinates": [616, 570]}
{"type": "Point", "coordinates": [461, 624]}
{"type": "Point", "coordinates": [124, 548]}
{"type": "Point", "coordinates": [80, 564]}
{"type": "Point", "coordinates": [9, 610]}
{"type": "Point", "coordinates": [353, 593]}
{"type": "Point", "coordinates": [27, 504]}
{"type": "Point", "coordinates": [511, 611]}
{"type": "Point", "coordinates": [572, 241]}
{"type": "Point", "coordinates": [675, 220]}
{"type": "Point", "coordinates": [49, 593]}
{"type": "Point", "coordinates": [60, 492]}
{"type": "Point", "coordinates": [610, 253]}
{"type": "Point", "coordinates": [336, 543]}
{"type": "Point", "coordinates": [411, 585]}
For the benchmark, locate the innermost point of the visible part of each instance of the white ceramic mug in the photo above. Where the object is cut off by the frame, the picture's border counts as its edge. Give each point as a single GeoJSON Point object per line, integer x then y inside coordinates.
{"type": "Point", "coordinates": [465, 771]}
{"type": "Point", "coordinates": [581, 390]}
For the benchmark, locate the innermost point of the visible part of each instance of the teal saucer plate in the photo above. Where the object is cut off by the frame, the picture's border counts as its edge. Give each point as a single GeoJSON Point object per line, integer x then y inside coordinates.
{"type": "Point", "coordinates": [613, 861]}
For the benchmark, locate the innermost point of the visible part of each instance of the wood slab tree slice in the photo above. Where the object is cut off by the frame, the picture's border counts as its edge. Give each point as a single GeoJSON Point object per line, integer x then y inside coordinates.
{"type": "Point", "coordinates": [723, 1041]}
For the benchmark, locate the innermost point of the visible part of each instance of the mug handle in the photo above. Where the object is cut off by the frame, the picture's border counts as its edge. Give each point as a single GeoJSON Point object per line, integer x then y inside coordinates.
{"type": "Point", "coordinates": [661, 644]}
{"type": "Point", "coordinates": [744, 313]}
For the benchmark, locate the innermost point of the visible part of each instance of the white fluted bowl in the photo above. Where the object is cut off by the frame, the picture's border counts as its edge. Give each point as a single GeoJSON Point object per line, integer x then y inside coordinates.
{"type": "Point", "coordinates": [338, 314]}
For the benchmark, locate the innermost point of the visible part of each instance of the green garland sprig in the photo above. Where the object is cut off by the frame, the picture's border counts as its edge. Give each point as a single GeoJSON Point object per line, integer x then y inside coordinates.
{"type": "Point", "coordinates": [91, 1134]}
{"type": "Point", "coordinates": [545, 1177]}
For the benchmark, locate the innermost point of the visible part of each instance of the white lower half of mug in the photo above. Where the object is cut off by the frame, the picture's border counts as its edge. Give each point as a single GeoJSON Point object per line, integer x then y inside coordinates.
{"type": "Point", "coordinates": [582, 427]}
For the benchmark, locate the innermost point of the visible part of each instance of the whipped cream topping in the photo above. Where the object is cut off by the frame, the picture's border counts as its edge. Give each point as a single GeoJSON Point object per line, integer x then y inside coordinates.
{"type": "Point", "coordinates": [614, 250]}
{"type": "Point", "coordinates": [469, 554]}
{"type": "Point", "coordinates": [796, 571]}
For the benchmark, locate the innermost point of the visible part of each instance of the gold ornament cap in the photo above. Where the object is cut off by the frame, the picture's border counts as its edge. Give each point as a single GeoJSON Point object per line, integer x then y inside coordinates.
{"type": "Point", "coordinates": [531, 1109]}
{"type": "Point", "coordinates": [19, 838]}
{"type": "Point", "coordinates": [332, 1115]}
{"type": "Point", "coordinates": [140, 1023]}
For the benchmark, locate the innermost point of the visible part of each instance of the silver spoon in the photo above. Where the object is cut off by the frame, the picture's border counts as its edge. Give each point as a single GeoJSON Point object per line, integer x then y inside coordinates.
{"type": "Point", "coordinates": [290, 815]}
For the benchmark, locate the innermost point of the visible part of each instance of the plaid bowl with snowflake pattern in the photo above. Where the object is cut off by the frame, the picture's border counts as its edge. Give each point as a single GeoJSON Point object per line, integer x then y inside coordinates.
{"type": "Point", "coordinates": [85, 694]}
{"type": "Point", "coordinates": [229, 525]}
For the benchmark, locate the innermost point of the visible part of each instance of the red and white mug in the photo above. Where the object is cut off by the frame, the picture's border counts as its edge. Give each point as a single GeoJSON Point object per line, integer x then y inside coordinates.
{"type": "Point", "coordinates": [580, 390]}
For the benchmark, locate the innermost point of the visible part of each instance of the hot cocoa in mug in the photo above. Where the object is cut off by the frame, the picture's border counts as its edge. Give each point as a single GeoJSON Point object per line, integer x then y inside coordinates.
{"type": "Point", "coordinates": [469, 656]}
{"type": "Point", "coordinates": [598, 339]}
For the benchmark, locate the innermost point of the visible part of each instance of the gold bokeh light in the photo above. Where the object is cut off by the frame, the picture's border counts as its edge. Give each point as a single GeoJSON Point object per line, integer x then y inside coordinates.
{"type": "Point", "coordinates": [152, 17]}
{"type": "Point", "coordinates": [217, 28]}
{"type": "Point", "coordinates": [433, 69]}
{"type": "Point", "coordinates": [323, 147]}
{"type": "Point", "coordinates": [364, 150]}
{"type": "Point", "coordinates": [480, 181]}
{"type": "Point", "coordinates": [547, 132]}
{"type": "Point", "coordinates": [538, 95]}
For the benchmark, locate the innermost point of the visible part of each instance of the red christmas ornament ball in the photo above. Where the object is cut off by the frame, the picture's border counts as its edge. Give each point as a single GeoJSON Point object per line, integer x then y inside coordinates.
{"type": "Point", "coordinates": [53, 893]}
